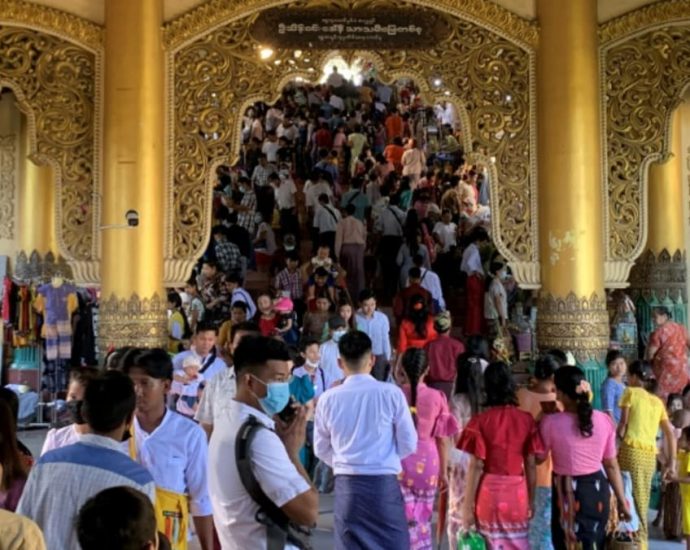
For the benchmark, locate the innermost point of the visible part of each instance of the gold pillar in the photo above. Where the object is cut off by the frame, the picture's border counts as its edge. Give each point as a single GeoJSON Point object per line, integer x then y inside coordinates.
{"type": "Point", "coordinates": [572, 306]}
{"type": "Point", "coordinates": [36, 203]}
{"type": "Point", "coordinates": [133, 310]}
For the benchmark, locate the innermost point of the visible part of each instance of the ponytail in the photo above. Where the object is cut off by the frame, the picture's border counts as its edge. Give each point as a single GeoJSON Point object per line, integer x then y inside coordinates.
{"type": "Point", "coordinates": [414, 363]}
{"type": "Point", "coordinates": [584, 415]}
{"type": "Point", "coordinates": [572, 382]}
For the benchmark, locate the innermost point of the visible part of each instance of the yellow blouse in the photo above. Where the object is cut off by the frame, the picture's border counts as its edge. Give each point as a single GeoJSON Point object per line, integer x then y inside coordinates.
{"type": "Point", "coordinates": [646, 412]}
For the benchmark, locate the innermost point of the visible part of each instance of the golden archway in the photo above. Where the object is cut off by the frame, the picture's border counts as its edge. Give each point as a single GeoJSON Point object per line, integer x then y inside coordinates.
{"type": "Point", "coordinates": [51, 61]}
{"type": "Point", "coordinates": [645, 72]}
{"type": "Point", "coordinates": [214, 73]}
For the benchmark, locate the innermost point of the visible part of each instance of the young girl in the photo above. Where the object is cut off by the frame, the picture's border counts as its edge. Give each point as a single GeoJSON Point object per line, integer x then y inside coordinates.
{"type": "Point", "coordinates": [266, 317]}
{"type": "Point", "coordinates": [61, 437]}
{"type": "Point", "coordinates": [287, 321]}
{"type": "Point", "coordinates": [642, 414]}
{"type": "Point", "coordinates": [178, 326]}
{"type": "Point", "coordinates": [424, 472]}
{"type": "Point", "coordinates": [613, 387]}
{"type": "Point", "coordinates": [347, 314]}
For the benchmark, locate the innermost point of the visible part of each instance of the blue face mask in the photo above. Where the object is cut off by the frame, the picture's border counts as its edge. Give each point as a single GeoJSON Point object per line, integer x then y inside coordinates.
{"type": "Point", "coordinates": [338, 334]}
{"type": "Point", "coordinates": [277, 397]}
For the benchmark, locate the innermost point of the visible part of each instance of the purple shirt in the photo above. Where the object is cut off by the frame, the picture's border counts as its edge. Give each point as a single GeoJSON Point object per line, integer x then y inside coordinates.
{"type": "Point", "coordinates": [572, 453]}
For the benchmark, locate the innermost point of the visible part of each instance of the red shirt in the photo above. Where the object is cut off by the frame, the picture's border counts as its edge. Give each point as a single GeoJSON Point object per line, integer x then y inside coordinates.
{"type": "Point", "coordinates": [268, 326]}
{"type": "Point", "coordinates": [502, 437]}
{"type": "Point", "coordinates": [409, 338]}
{"type": "Point", "coordinates": [443, 355]}
{"type": "Point", "coordinates": [403, 297]}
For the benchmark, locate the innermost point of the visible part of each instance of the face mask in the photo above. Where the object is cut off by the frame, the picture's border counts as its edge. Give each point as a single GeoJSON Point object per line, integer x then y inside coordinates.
{"type": "Point", "coordinates": [503, 275]}
{"type": "Point", "coordinates": [311, 364]}
{"type": "Point", "coordinates": [74, 409]}
{"type": "Point", "coordinates": [277, 397]}
{"type": "Point", "coordinates": [338, 334]}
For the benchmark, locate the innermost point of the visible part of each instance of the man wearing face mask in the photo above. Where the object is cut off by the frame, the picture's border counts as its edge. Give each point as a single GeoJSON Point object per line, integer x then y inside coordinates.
{"type": "Point", "coordinates": [337, 328]}
{"type": "Point", "coordinates": [64, 479]}
{"type": "Point", "coordinates": [263, 373]}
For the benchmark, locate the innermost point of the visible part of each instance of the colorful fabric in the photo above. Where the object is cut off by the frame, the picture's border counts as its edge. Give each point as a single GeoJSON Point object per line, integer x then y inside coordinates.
{"type": "Point", "coordinates": [540, 524]}
{"type": "Point", "coordinates": [647, 411]}
{"type": "Point", "coordinates": [670, 360]}
{"type": "Point", "coordinates": [502, 512]}
{"type": "Point", "coordinates": [58, 341]}
{"type": "Point", "coordinates": [418, 483]}
{"type": "Point", "coordinates": [290, 283]}
{"type": "Point", "coordinates": [408, 337]}
{"type": "Point", "coordinates": [502, 437]}
{"type": "Point", "coordinates": [641, 463]}
{"type": "Point", "coordinates": [684, 470]}
{"type": "Point", "coordinates": [457, 476]}
{"type": "Point", "coordinates": [580, 511]}
{"type": "Point", "coordinates": [369, 513]}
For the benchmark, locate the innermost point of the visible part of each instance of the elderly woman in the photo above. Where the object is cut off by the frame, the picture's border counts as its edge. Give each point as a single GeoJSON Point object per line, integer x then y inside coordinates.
{"type": "Point", "coordinates": [667, 350]}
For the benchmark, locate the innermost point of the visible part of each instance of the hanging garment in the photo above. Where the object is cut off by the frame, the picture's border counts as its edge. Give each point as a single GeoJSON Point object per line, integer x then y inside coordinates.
{"type": "Point", "coordinates": [57, 305]}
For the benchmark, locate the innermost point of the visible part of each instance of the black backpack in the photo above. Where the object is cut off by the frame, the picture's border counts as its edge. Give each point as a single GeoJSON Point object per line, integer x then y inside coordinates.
{"type": "Point", "coordinates": [279, 529]}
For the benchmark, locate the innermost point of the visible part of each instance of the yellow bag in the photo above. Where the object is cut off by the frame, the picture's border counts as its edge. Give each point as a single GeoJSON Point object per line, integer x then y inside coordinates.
{"type": "Point", "coordinates": [172, 509]}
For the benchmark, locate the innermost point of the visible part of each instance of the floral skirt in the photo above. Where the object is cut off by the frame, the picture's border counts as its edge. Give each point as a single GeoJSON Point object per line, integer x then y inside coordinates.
{"type": "Point", "coordinates": [502, 512]}
{"type": "Point", "coordinates": [540, 524]}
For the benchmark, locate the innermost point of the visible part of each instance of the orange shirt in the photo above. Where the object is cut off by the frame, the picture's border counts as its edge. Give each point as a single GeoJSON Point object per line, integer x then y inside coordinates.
{"type": "Point", "coordinates": [394, 127]}
{"type": "Point", "coordinates": [393, 154]}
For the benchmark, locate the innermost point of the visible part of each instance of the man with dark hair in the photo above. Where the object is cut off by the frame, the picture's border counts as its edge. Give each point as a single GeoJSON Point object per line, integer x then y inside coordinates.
{"type": "Point", "coordinates": [326, 219]}
{"type": "Point", "coordinates": [118, 518]}
{"type": "Point", "coordinates": [363, 429]}
{"type": "Point", "coordinates": [233, 284]}
{"type": "Point", "coordinates": [218, 394]}
{"type": "Point", "coordinates": [228, 255]}
{"type": "Point", "coordinates": [376, 326]}
{"type": "Point", "coordinates": [64, 479]}
{"type": "Point", "coordinates": [171, 447]}
{"type": "Point", "coordinates": [263, 372]}
{"type": "Point", "coordinates": [414, 287]}
{"type": "Point", "coordinates": [473, 268]}
{"type": "Point", "coordinates": [213, 292]}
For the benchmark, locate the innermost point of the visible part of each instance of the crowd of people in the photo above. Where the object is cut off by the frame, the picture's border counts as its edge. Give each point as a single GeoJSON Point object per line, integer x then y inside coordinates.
{"type": "Point", "coordinates": [344, 375]}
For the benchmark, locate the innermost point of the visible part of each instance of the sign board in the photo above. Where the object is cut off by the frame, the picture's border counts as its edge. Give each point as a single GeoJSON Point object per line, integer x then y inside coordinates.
{"type": "Point", "coordinates": [332, 28]}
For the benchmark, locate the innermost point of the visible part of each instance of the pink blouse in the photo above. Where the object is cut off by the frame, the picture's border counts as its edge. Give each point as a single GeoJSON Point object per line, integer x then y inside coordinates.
{"type": "Point", "coordinates": [572, 453]}
{"type": "Point", "coordinates": [433, 415]}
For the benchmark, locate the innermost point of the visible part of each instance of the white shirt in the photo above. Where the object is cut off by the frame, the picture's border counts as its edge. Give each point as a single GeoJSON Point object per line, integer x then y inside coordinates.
{"type": "Point", "coordinates": [391, 221]}
{"type": "Point", "coordinates": [432, 283]}
{"type": "Point", "coordinates": [285, 194]}
{"type": "Point", "coordinates": [447, 234]}
{"type": "Point", "coordinates": [471, 260]}
{"type": "Point", "coordinates": [326, 218]}
{"type": "Point", "coordinates": [337, 102]}
{"type": "Point", "coordinates": [62, 480]}
{"type": "Point", "coordinates": [290, 133]}
{"type": "Point", "coordinates": [234, 511]}
{"type": "Point", "coordinates": [60, 437]}
{"type": "Point", "coordinates": [214, 368]}
{"type": "Point", "coordinates": [217, 397]}
{"type": "Point", "coordinates": [318, 377]}
{"type": "Point", "coordinates": [176, 454]}
{"type": "Point", "coordinates": [496, 293]}
{"type": "Point", "coordinates": [270, 149]}
{"type": "Point", "coordinates": [313, 191]}
{"type": "Point", "coordinates": [329, 354]}
{"type": "Point", "coordinates": [364, 427]}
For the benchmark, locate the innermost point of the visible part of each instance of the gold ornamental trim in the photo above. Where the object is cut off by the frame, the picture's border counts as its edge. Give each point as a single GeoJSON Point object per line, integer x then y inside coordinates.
{"type": "Point", "coordinates": [9, 147]}
{"type": "Point", "coordinates": [212, 14]}
{"type": "Point", "coordinates": [658, 13]}
{"type": "Point", "coordinates": [132, 321]}
{"type": "Point", "coordinates": [34, 266]}
{"type": "Point", "coordinates": [576, 324]}
{"type": "Point", "coordinates": [65, 25]}
{"type": "Point", "coordinates": [662, 273]}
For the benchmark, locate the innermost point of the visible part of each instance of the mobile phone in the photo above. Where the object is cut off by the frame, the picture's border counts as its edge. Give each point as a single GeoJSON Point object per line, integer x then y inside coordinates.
{"type": "Point", "coordinates": [289, 412]}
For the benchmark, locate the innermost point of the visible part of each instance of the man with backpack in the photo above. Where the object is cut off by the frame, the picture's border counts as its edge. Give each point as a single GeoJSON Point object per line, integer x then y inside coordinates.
{"type": "Point", "coordinates": [260, 492]}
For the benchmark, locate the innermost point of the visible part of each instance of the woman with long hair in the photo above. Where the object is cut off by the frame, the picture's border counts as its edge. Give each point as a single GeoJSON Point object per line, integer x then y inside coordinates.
{"type": "Point", "coordinates": [178, 325]}
{"type": "Point", "coordinates": [642, 414]}
{"type": "Point", "coordinates": [466, 403]}
{"type": "Point", "coordinates": [539, 398]}
{"type": "Point", "coordinates": [668, 352]}
{"type": "Point", "coordinates": [14, 470]}
{"type": "Point", "coordinates": [417, 327]}
{"type": "Point", "coordinates": [502, 442]}
{"type": "Point", "coordinates": [411, 246]}
{"type": "Point", "coordinates": [580, 441]}
{"type": "Point", "coordinates": [424, 471]}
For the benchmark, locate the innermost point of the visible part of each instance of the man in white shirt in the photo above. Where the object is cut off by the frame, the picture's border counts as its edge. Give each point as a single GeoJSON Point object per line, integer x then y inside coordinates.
{"type": "Point", "coordinates": [363, 429]}
{"type": "Point", "coordinates": [285, 191]}
{"type": "Point", "coordinates": [445, 234]}
{"type": "Point", "coordinates": [262, 369]}
{"type": "Point", "coordinates": [62, 480]}
{"type": "Point", "coordinates": [335, 79]}
{"type": "Point", "coordinates": [337, 328]}
{"type": "Point", "coordinates": [220, 390]}
{"type": "Point", "coordinates": [270, 147]}
{"type": "Point", "coordinates": [326, 220]}
{"type": "Point", "coordinates": [431, 282]}
{"type": "Point", "coordinates": [390, 225]}
{"type": "Point", "coordinates": [170, 446]}
{"type": "Point", "coordinates": [376, 326]}
{"type": "Point", "coordinates": [471, 265]}
{"type": "Point", "coordinates": [233, 284]}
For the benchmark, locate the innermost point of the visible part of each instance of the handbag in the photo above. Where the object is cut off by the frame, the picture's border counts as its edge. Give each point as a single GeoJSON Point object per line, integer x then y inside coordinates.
{"type": "Point", "coordinates": [624, 541]}
{"type": "Point", "coordinates": [471, 540]}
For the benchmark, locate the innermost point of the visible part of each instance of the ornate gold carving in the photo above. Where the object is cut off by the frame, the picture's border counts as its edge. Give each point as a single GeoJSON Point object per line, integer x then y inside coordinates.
{"type": "Point", "coordinates": [54, 82]}
{"type": "Point", "coordinates": [215, 13]}
{"type": "Point", "coordinates": [132, 322]}
{"type": "Point", "coordinates": [8, 175]}
{"type": "Point", "coordinates": [657, 13]}
{"type": "Point", "coordinates": [663, 275]}
{"type": "Point", "coordinates": [578, 325]}
{"type": "Point", "coordinates": [62, 24]}
{"type": "Point", "coordinates": [37, 267]}
{"type": "Point", "coordinates": [644, 78]}
{"type": "Point", "coordinates": [218, 75]}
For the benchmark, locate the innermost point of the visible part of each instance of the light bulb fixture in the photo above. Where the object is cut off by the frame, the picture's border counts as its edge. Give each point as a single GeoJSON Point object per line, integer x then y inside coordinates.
{"type": "Point", "coordinates": [265, 53]}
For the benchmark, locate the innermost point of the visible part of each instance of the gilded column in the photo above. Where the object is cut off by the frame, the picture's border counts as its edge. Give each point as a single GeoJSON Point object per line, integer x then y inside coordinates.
{"type": "Point", "coordinates": [133, 307]}
{"type": "Point", "coordinates": [572, 303]}
{"type": "Point", "coordinates": [659, 276]}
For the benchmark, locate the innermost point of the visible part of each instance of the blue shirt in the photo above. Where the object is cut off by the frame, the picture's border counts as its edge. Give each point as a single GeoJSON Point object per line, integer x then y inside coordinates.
{"type": "Point", "coordinates": [611, 393]}
{"type": "Point", "coordinates": [359, 199]}
{"type": "Point", "coordinates": [378, 328]}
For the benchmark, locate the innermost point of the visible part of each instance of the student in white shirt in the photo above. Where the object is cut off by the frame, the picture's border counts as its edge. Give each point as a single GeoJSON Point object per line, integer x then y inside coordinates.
{"type": "Point", "coordinates": [263, 372]}
{"type": "Point", "coordinates": [363, 428]}
{"type": "Point", "coordinates": [171, 447]}
{"type": "Point", "coordinates": [337, 328]}
{"type": "Point", "coordinates": [431, 282]}
{"type": "Point", "coordinates": [216, 400]}
{"type": "Point", "coordinates": [471, 265]}
{"type": "Point", "coordinates": [326, 221]}
{"type": "Point", "coordinates": [496, 301]}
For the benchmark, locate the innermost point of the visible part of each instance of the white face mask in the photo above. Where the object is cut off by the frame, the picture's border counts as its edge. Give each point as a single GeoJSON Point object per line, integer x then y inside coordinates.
{"type": "Point", "coordinates": [310, 364]}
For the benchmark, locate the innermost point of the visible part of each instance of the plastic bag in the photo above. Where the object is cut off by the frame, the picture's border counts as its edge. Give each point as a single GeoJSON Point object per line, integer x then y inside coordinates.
{"type": "Point", "coordinates": [471, 541]}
